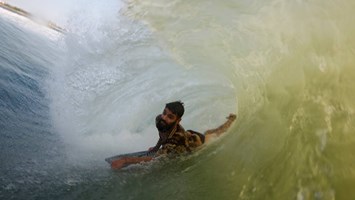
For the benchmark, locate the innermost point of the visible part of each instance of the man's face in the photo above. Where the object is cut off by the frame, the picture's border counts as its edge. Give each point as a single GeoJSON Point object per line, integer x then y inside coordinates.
{"type": "Point", "coordinates": [167, 121]}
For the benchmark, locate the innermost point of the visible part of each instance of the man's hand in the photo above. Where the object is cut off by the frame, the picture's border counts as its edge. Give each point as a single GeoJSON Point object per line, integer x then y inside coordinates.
{"type": "Point", "coordinates": [153, 149]}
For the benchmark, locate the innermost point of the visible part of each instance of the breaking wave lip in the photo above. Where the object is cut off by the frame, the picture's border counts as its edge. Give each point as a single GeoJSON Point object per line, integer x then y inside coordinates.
{"type": "Point", "coordinates": [38, 27]}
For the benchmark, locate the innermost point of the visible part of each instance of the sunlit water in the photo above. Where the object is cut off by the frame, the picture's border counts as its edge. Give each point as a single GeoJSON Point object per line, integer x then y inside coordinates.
{"type": "Point", "coordinates": [285, 67]}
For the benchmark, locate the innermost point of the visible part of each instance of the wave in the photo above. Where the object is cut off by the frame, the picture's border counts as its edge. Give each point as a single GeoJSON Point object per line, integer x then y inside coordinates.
{"type": "Point", "coordinates": [284, 67]}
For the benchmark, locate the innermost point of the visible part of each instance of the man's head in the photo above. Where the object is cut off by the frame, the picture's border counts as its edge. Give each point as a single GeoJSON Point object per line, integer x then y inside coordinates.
{"type": "Point", "coordinates": [176, 107]}
{"type": "Point", "coordinates": [171, 115]}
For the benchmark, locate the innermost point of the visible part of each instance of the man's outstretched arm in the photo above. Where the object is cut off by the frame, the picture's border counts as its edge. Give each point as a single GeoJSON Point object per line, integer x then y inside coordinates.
{"type": "Point", "coordinates": [221, 129]}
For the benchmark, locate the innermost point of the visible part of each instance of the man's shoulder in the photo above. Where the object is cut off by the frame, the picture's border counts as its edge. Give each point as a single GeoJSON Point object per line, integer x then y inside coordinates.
{"type": "Point", "coordinates": [180, 129]}
{"type": "Point", "coordinates": [180, 134]}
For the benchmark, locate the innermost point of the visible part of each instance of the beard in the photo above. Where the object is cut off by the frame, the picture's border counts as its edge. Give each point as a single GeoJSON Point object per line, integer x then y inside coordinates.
{"type": "Point", "coordinates": [162, 126]}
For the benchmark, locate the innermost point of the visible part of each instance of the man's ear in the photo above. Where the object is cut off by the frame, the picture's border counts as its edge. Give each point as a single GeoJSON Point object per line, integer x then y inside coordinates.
{"type": "Point", "coordinates": [178, 120]}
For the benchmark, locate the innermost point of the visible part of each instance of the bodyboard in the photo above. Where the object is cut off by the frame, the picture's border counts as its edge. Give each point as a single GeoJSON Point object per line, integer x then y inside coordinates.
{"type": "Point", "coordinates": [123, 160]}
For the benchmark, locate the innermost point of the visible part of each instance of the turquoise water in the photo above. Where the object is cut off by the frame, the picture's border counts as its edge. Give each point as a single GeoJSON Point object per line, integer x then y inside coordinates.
{"type": "Point", "coordinates": [285, 67]}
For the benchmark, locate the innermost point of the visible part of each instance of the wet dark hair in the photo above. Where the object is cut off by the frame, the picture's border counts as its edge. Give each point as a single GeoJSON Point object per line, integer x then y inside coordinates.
{"type": "Point", "coordinates": [176, 107]}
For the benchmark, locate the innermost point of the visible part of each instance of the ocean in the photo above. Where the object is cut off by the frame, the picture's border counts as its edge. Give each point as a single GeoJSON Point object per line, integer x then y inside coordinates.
{"type": "Point", "coordinates": [69, 100]}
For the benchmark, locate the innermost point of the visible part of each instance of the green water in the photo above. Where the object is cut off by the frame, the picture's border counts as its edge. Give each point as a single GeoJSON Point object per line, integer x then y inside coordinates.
{"type": "Point", "coordinates": [293, 66]}
{"type": "Point", "coordinates": [287, 68]}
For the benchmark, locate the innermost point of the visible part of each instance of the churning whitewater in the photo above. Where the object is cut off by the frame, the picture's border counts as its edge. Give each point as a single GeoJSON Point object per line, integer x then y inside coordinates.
{"type": "Point", "coordinates": [68, 100]}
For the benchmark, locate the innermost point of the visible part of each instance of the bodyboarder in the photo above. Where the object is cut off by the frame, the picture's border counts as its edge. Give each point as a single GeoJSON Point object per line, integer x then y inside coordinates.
{"type": "Point", "coordinates": [173, 139]}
